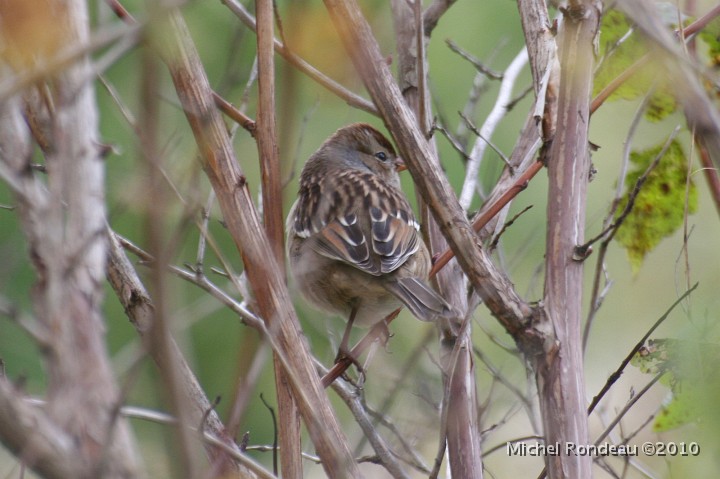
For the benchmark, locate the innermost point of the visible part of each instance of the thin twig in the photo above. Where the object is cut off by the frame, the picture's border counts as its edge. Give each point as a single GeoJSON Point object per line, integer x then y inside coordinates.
{"type": "Point", "coordinates": [247, 317]}
{"type": "Point", "coordinates": [628, 406]}
{"type": "Point", "coordinates": [479, 66]}
{"type": "Point", "coordinates": [275, 433]}
{"type": "Point", "coordinates": [491, 122]}
{"type": "Point", "coordinates": [385, 456]}
{"type": "Point", "coordinates": [610, 231]}
{"type": "Point", "coordinates": [596, 296]}
{"type": "Point", "coordinates": [471, 126]}
{"type": "Point", "coordinates": [496, 238]}
{"type": "Point", "coordinates": [213, 440]}
{"type": "Point", "coordinates": [619, 371]}
{"type": "Point", "coordinates": [402, 376]}
{"type": "Point", "coordinates": [351, 98]}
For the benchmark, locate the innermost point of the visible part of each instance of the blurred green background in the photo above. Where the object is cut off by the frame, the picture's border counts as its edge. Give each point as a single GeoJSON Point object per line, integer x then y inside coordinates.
{"type": "Point", "coordinates": [220, 348]}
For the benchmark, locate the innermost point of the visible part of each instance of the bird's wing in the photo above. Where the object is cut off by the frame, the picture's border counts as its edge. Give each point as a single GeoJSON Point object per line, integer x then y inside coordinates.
{"type": "Point", "coordinates": [360, 220]}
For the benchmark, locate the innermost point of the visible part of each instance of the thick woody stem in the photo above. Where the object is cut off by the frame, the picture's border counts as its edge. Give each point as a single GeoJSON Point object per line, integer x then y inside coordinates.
{"type": "Point", "coordinates": [492, 285]}
{"type": "Point", "coordinates": [266, 279]}
{"type": "Point", "coordinates": [68, 249]}
{"type": "Point", "coordinates": [559, 369]}
{"type": "Point", "coordinates": [460, 406]}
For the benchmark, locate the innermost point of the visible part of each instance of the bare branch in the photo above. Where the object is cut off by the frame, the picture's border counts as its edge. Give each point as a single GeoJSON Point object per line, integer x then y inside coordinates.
{"type": "Point", "coordinates": [432, 14]}
{"type": "Point", "coordinates": [29, 434]}
{"type": "Point", "coordinates": [559, 370]}
{"type": "Point", "coordinates": [140, 310]}
{"type": "Point", "coordinates": [618, 372]}
{"type": "Point", "coordinates": [351, 98]}
{"type": "Point", "coordinates": [702, 116]}
{"type": "Point", "coordinates": [479, 66]}
{"type": "Point", "coordinates": [491, 284]}
{"type": "Point", "coordinates": [627, 407]}
{"type": "Point", "coordinates": [385, 457]}
{"type": "Point", "coordinates": [267, 144]}
{"type": "Point", "coordinates": [68, 249]}
{"type": "Point", "coordinates": [243, 223]}
{"type": "Point", "coordinates": [491, 122]}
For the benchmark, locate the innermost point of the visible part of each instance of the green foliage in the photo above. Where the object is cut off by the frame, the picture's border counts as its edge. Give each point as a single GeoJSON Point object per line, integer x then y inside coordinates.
{"type": "Point", "coordinates": [660, 205]}
{"type": "Point", "coordinates": [711, 36]}
{"type": "Point", "coordinates": [689, 371]}
{"type": "Point", "coordinates": [620, 48]}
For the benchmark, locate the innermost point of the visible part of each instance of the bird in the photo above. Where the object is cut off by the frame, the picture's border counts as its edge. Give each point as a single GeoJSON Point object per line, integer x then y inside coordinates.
{"type": "Point", "coordinates": [354, 246]}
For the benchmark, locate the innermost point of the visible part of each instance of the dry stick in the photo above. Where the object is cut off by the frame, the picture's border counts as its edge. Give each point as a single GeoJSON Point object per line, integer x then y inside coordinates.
{"type": "Point", "coordinates": [612, 228]}
{"type": "Point", "coordinates": [64, 231]}
{"type": "Point", "coordinates": [386, 457]}
{"type": "Point", "coordinates": [22, 428]}
{"type": "Point", "coordinates": [423, 106]}
{"type": "Point", "coordinates": [243, 223]}
{"type": "Point", "coordinates": [496, 239]}
{"type": "Point", "coordinates": [620, 415]}
{"type": "Point", "coordinates": [479, 66]}
{"type": "Point", "coordinates": [618, 372]}
{"type": "Point", "coordinates": [250, 467]}
{"type": "Point", "coordinates": [609, 231]}
{"type": "Point", "coordinates": [402, 376]}
{"type": "Point", "coordinates": [225, 106]}
{"type": "Point", "coordinates": [519, 185]}
{"type": "Point", "coordinates": [559, 369]}
{"type": "Point", "coordinates": [617, 83]}
{"type": "Point", "coordinates": [246, 384]}
{"type": "Point", "coordinates": [414, 460]}
{"type": "Point", "coordinates": [432, 14]}
{"type": "Point", "coordinates": [351, 98]}
{"type": "Point", "coordinates": [688, 31]}
{"type": "Point", "coordinates": [597, 296]}
{"type": "Point", "coordinates": [491, 122]}
{"type": "Point", "coordinates": [379, 329]}
{"type": "Point", "coordinates": [195, 277]}
{"type": "Point", "coordinates": [140, 310]}
{"type": "Point", "coordinates": [290, 420]}
{"type": "Point", "coordinates": [289, 424]}
{"type": "Point", "coordinates": [459, 415]}
{"type": "Point", "coordinates": [159, 339]}
{"type": "Point", "coordinates": [235, 114]}
{"type": "Point", "coordinates": [628, 406]}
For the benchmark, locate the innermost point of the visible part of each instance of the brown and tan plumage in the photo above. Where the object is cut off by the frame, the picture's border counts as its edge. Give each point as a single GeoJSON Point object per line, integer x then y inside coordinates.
{"type": "Point", "coordinates": [353, 241]}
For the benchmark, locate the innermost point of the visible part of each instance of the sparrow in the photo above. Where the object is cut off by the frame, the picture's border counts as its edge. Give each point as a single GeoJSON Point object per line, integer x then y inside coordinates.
{"type": "Point", "coordinates": [354, 245]}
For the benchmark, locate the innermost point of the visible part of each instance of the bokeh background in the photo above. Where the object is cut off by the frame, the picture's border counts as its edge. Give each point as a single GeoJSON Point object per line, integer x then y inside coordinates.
{"type": "Point", "coordinates": [221, 349]}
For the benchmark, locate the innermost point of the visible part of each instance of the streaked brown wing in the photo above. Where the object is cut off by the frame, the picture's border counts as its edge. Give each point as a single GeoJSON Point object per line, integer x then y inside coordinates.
{"type": "Point", "coordinates": [351, 202]}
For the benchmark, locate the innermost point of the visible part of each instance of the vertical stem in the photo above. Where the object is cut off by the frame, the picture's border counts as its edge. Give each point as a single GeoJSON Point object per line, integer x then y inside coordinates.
{"type": "Point", "coordinates": [289, 417]}
{"type": "Point", "coordinates": [243, 223]}
{"type": "Point", "coordinates": [266, 131]}
{"type": "Point", "coordinates": [64, 221]}
{"type": "Point", "coordinates": [159, 338]}
{"type": "Point", "coordinates": [560, 374]}
{"type": "Point", "coordinates": [462, 429]}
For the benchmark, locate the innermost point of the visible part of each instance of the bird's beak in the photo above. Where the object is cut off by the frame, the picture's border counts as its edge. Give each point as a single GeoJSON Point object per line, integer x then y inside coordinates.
{"type": "Point", "coordinates": [400, 165]}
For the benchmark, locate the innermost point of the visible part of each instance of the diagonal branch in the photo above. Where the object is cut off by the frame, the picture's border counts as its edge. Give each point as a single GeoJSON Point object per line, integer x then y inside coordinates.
{"type": "Point", "coordinates": [140, 311]}
{"type": "Point", "coordinates": [492, 285]}
{"type": "Point", "coordinates": [271, 294]}
{"type": "Point", "coordinates": [351, 98]}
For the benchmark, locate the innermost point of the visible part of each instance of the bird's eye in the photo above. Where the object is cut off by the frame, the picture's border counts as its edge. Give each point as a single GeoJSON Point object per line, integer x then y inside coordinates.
{"type": "Point", "coordinates": [381, 155]}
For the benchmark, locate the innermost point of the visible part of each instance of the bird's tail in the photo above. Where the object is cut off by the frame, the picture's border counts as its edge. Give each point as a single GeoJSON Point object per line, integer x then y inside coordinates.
{"type": "Point", "coordinates": [420, 299]}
